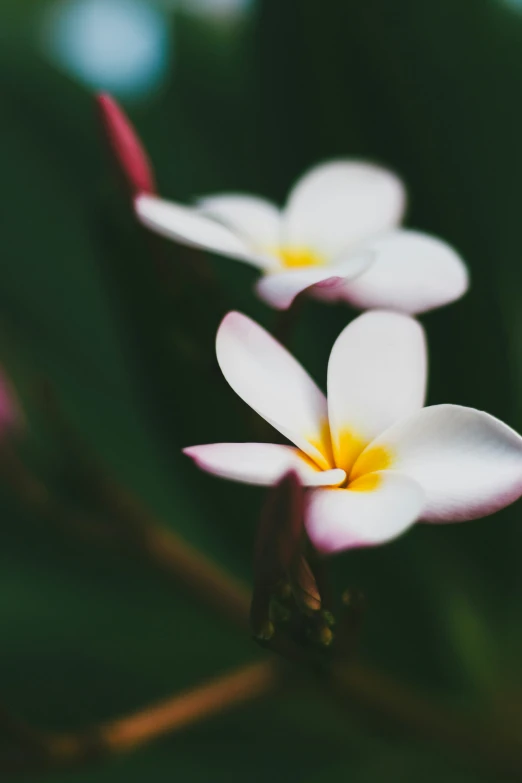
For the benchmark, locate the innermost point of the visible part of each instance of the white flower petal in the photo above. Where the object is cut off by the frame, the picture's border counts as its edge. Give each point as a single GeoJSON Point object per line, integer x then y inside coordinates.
{"type": "Point", "coordinates": [376, 375]}
{"type": "Point", "coordinates": [338, 519]}
{"type": "Point", "coordinates": [339, 204]}
{"type": "Point", "coordinates": [255, 220]}
{"type": "Point", "coordinates": [260, 463]}
{"type": "Point", "coordinates": [279, 289]}
{"type": "Point", "coordinates": [190, 227]}
{"type": "Point", "coordinates": [412, 272]}
{"type": "Point", "coordinates": [268, 378]}
{"type": "Point", "coordinates": [468, 463]}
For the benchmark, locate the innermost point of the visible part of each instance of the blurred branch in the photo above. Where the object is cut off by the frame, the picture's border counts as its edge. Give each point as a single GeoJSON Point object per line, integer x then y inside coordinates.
{"type": "Point", "coordinates": [21, 735]}
{"type": "Point", "coordinates": [135, 527]}
{"type": "Point", "coordinates": [46, 751]}
{"type": "Point", "coordinates": [486, 742]}
{"type": "Point", "coordinates": [349, 683]}
{"type": "Point", "coordinates": [33, 494]}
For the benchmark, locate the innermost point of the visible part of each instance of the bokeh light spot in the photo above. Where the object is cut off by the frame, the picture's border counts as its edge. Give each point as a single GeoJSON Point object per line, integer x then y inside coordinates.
{"type": "Point", "coordinates": [122, 46]}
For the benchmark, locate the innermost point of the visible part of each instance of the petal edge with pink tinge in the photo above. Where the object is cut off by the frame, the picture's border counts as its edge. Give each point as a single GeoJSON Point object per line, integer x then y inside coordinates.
{"type": "Point", "coordinates": [191, 227]}
{"type": "Point", "coordinates": [339, 519]}
{"type": "Point", "coordinates": [468, 463]}
{"type": "Point", "coordinates": [260, 463]}
{"type": "Point", "coordinates": [268, 378]}
{"type": "Point", "coordinates": [279, 289]}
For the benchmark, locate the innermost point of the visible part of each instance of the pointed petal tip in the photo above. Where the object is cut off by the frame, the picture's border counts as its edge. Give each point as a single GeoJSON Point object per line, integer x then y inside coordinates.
{"type": "Point", "coordinates": [264, 464]}
{"type": "Point", "coordinates": [192, 227]}
{"type": "Point", "coordinates": [234, 316]}
{"type": "Point", "coordinates": [232, 321]}
{"type": "Point", "coordinates": [125, 145]}
{"type": "Point", "coordinates": [196, 454]}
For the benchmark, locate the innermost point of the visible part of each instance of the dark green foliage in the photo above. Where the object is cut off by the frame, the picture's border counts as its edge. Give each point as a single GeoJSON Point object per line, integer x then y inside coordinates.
{"type": "Point", "coordinates": [122, 325]}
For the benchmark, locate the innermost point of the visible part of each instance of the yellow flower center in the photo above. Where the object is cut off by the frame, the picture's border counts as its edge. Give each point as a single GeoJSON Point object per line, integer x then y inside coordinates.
{"type": "Point", "coordinates": [363, 476]}
{"type": "Point", "coordinates": [350, 453]}
{"type": "Point", "coordinates": [295, 257]}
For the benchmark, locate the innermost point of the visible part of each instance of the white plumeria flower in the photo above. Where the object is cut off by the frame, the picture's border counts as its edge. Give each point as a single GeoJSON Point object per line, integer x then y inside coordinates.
{"type": "Point", "coordinates": [337, 237]}
{"type": "Point", "coordinates": [376, 460]}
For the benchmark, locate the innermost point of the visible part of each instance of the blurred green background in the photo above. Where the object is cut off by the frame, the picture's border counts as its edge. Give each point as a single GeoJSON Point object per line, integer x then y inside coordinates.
{"type": "Point", "coordinates": [245, 99]}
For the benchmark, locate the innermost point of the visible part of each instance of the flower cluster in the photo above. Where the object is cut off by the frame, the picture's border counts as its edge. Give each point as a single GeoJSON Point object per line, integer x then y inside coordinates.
{"type": "Point", "coordinates": [374, 460]}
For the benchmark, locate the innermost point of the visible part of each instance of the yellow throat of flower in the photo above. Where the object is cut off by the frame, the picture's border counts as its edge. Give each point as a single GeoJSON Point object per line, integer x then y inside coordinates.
{"type": "Point", "coordinates": [296, 257]}
{"type": "Point", "coordinates": [351, 453]}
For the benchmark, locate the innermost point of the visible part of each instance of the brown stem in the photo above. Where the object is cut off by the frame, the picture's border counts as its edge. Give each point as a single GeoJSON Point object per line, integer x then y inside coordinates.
{"type": "Point", "coordinates": [135, 527]}
{"type": "Point", "coordinates": [164, 548]}
{"type": "Point", "coordinates": [173, 714]}
{"type": "Point", "coordinates": [244, 684]}
{"type": "Point", "coordinates": [353, 683]}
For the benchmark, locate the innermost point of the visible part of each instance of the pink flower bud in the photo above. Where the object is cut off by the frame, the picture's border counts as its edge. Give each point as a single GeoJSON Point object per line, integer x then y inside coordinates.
{"type": "Point", "coordinates": [11, 416]}
{"type": "Point", "coordinates": [126, 147]}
